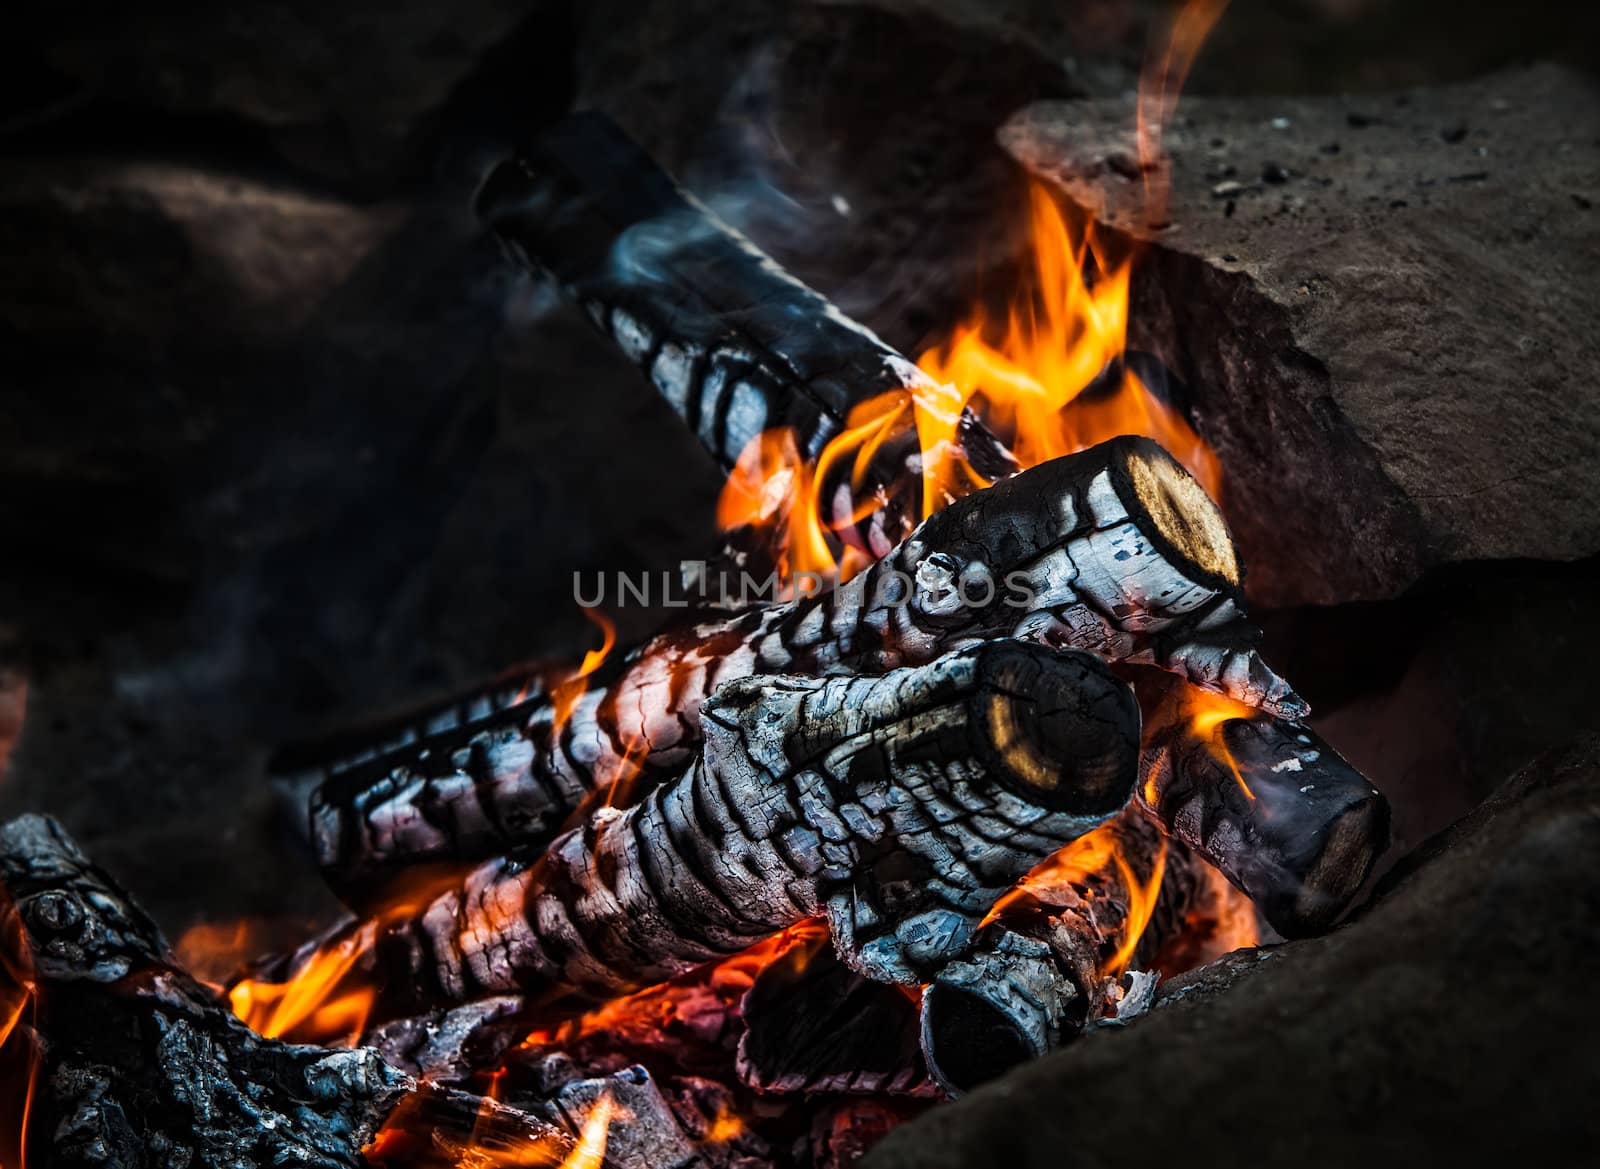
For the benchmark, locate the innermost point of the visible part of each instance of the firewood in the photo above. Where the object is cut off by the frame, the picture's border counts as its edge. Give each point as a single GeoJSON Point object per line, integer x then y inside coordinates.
{"type": "Point", "coordinates": [145, 1065]}
{"type": "Point", "coordinates": [1046, 966]}
{"type": "Point", "coordinates": [1115, 550]}
{"type": "Point", "coordinates": [733, 342]}
{"type": "Point", "coordinates": [814, 1025]}
{"type": "Point", "coordinates": [900, 807]}
{"type": "Point", "coordinates": [1266, 801]}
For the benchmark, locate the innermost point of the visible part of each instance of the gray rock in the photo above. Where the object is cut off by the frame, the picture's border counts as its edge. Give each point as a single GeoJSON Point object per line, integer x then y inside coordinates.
{"type": "Point", "coordinates": [1437, 1028]}
{"type": "Point", "coordinates": [1388, 324]}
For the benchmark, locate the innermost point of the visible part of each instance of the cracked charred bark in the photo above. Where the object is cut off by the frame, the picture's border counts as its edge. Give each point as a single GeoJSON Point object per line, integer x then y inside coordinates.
{"type": "Point", "coordinates": [1115, 550]}
{"type": "Point", "coordinates": [142, 1065]}
{"type": "Point", "coordinates": [736, 345]}
{"type": "Point", "coordinates": [1045, 967]}
{"type": "Point", "coordinates": [899, 807]}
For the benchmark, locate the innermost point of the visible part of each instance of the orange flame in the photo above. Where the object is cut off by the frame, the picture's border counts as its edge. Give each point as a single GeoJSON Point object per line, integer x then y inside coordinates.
{"type": "Point", "coordinates": [1207, 712]}
{"type": "Point", "coordinates": [1026, 376]}
{"type": "Point", "coordinates": [314, 1005]}
{"type": "Point", "coordinates": [328, 997]}
{"type": "Point", "coordinates": [565, 694]}
{"type": "Point", "coordinates": [19, 1050]}
{"type": "Point", "coordinates": [590, 1151]}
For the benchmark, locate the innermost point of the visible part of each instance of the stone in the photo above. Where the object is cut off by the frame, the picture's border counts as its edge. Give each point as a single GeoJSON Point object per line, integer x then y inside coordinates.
{"type": "Point", "coordinates": [1388, 338]}
{"type": "Point", "coordinates": [1436, 1028]}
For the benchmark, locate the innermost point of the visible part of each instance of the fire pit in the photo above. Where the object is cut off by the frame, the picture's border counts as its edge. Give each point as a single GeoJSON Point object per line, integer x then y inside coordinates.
{"type": "Point", "coordinates": [952, 757]}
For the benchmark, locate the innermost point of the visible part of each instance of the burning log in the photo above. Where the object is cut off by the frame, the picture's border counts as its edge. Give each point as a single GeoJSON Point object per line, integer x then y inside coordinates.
{"type": "Point", "coordinates": [814, 1025]}
{"type": "Point", "coordinates": [1048, 961]}
{"type": "Point", "coordinates": [734, 343]}
{"type": "Point", "coordinates": [900, 807]}
{"type": "Point", "coordinates": [1115, 550]}
{"type": "Point", "coordinates": [1264, 800]}
{"type": "Point", "coordinates": [741, 350]}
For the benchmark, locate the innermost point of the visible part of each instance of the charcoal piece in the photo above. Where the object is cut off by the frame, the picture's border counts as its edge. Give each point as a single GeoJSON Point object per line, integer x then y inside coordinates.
{"type": "Point", "coordinates": [144, 1064]}
{"type": "Point", "coordinates": [642, 1131]}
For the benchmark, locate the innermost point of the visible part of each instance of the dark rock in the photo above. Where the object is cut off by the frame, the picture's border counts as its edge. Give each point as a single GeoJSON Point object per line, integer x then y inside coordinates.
{"type": "Point", "coordinates": [1401, 369]}
{"type": "Point", "coordinates": [1436, 1028]}
{"type": "Point", "coordinates": [347, 90]}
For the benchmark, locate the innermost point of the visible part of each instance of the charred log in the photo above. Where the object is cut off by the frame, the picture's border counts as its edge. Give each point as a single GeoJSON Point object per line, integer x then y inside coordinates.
{"type": "Point", "coordinates": [143, 1065]}
{"type": "Point", "coordinates": [900, 807]}
{"type": "Point", "coordinates": [1264, 800]}
{"type": "Point", "coordinates": [734, 343]}
{"type": "Point", "coordinates": [737, 346]}
{"type": "Point", "coordinates": [1048, 965]}
{"type": "Point", "coordinates": [814, 1025]}
{"type": "Point", "coordinates": [1115, 550]}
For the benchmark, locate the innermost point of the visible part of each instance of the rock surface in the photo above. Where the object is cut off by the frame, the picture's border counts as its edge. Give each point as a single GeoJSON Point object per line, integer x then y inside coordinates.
{"type": "Point", "coordinates": [1385, 308]}
{"type": "Point", "coordinates": [1436, 1029]}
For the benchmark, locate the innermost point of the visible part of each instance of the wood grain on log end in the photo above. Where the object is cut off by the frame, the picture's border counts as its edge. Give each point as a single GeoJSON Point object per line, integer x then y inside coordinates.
{"type": "Point", "coordinates": [1183, 518]}
{"type": "Point", "coordinates": [1060, 727]}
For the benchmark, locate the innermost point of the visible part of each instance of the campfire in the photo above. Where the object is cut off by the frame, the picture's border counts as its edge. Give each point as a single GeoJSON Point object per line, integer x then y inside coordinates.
{"type": "Point", "coordinates": [961, 742]}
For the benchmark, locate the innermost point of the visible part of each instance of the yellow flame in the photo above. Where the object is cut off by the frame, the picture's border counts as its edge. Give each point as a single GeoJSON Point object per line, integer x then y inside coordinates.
{"type": "Point", "coordinates": [590, 1151]}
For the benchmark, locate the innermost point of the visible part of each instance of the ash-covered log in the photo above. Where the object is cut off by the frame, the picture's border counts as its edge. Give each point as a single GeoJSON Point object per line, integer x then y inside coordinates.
{"type": "Point", "coordinates": [1265, 800]}
{"type": "Point", "coordinates": [1115, 550]}
{"type": "Point", "coordinates": [900, 807]}
{"type": "Point", "coordinates": [737, 346]}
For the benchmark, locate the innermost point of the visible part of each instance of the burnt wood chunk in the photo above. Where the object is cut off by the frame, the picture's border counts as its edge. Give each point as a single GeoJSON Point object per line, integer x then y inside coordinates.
{"type": "Point", "coordinates": [1266, 801]}
{"type": "Point", "coordinates": [814, 1025]}
{"type": "Point", "coordinates": [1049, 963]}
{"type": "Point", "coordinates": [734, 343]}
{"type": "Point", "coordinates": [737, 346]}
{"type": "Point", "coordinates": [899, 807]}
{"type": "Point", "coordinates": [1114, 550]}
{"type": "Point", "coordinates": [144, 1065]}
